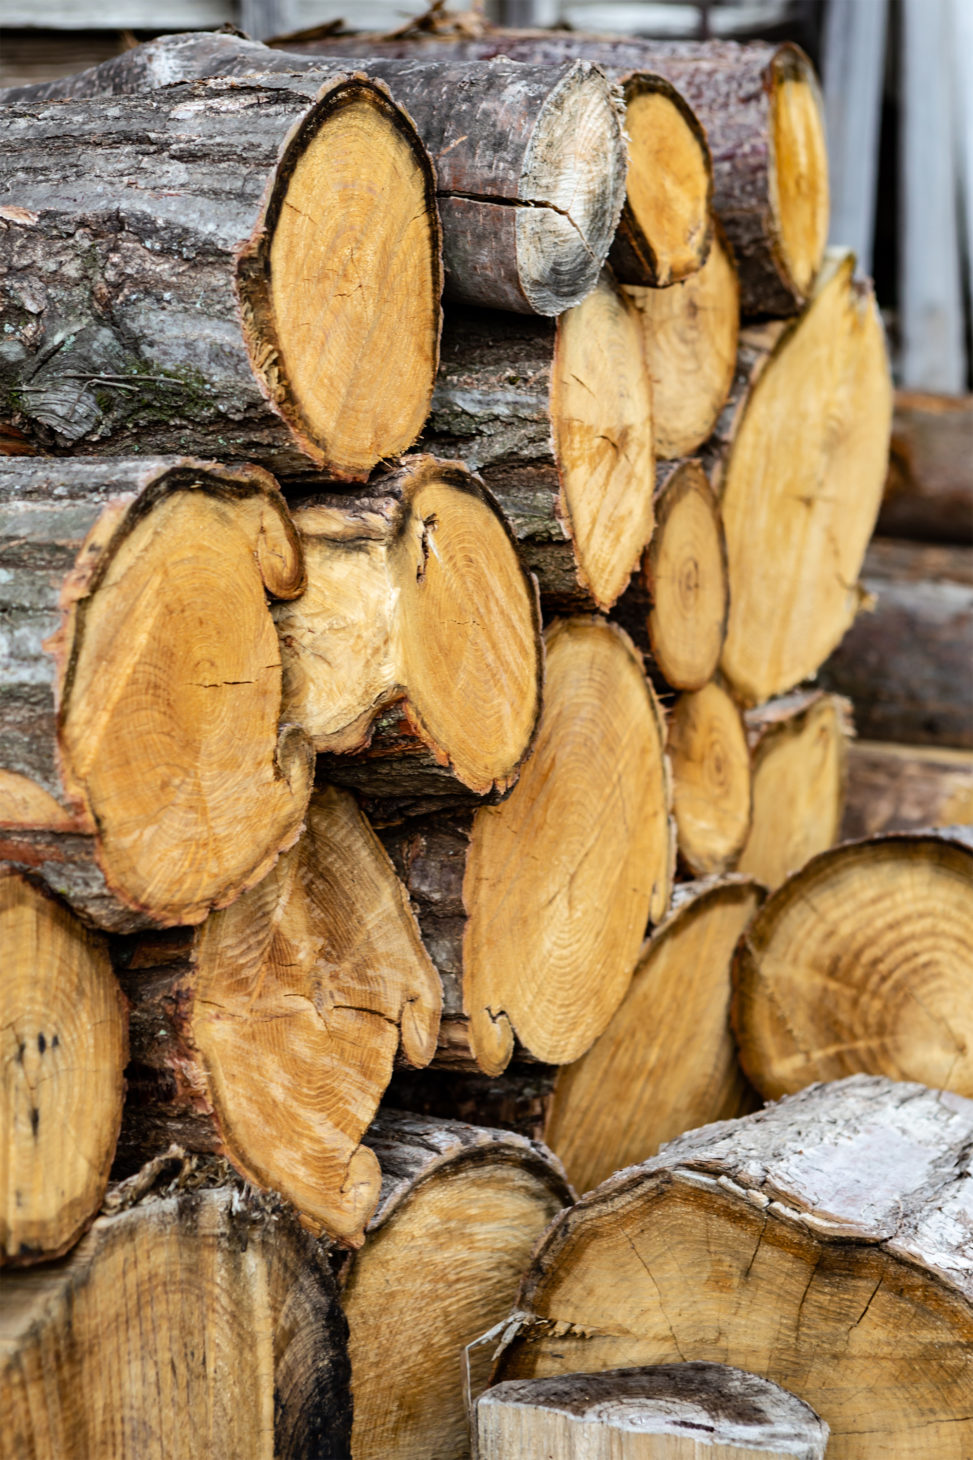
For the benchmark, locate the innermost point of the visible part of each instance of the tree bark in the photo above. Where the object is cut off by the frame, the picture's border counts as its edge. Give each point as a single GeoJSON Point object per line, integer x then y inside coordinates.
{"type": "Point", "coordinates": [667, 1061]}
{"type": "Point", "coordinates": [63, 1048]}
{"type": "Point", "coordinates": [417, 641]}
{"type": "Point", "coordinates": [533, 911]}
{"type": "Point", "coordinates": [518, 1100]}
{"type": "Point", "coordinates": [269, 1034]}
{"type": "Point", "coordinates": [862, 962]}
{"type": "Point", "coordinates": [667, 1412]}
{"type": "Point", "coordinates": [135, 604]}
{"type": "Point", "coordinates": [799, 748]}
{"type": "Point", "coordinates": [906, 662]}
{"type": "Point", "coordinates": [905, 788]}
{"type": "Point", "coordinates": [798, 458]}
{"type": "Point", "coordinates": [530, 160]}
{"type": "Point", "coordinates": [690, 334]}
{"type": "Point", "coordinates": [557, 419]}
{"type": "Point", "coordinates": [712, 794]}
{"type": "Point", "coordinates": [821, 1242]}
{"type": "Point", "coordinates": [461, 1210]}
{"type": "Point", "coordinates": [216, 309]}
{"type": "Point", "coordinates": [760, 108]}
{"type": "Point", "coordinates": [929, 491]}
{"type": "Point", "coordinates": [195, 1322]}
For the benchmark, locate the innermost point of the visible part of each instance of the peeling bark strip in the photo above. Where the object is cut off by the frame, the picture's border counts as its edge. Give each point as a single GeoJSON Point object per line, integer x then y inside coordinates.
{"type": "Point", "coordinates": [761, 110]}
{"type": "Point", "coordinates": [461, 1210]}
{"type": "Point", "coordinates": [530, 161]}
{"type": "Point", "coordinates": [862, 961]}
{"type": "Point", "coordinates": [169, 284]}
{"type": "Point", "coordinates": [63, 1041]}
{"type": "Point", "coordinates": [822, 1242]}
{"type": "Point", "coordinates": [199, 1322]}
{"type": "Point", "coordinates": [668, 1412]}
{"type": "Point", "coordinates": [134, 603]}
{"type": "Point", "coordinates": [417, 642]}
{"type": "Point", "coordinates": [269, 1033]}
{"type": "Point", "coordinates": [556, 416]}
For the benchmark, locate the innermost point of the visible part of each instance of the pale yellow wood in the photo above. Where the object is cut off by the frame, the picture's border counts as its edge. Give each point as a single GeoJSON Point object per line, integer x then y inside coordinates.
{"type": "Point", "coordinates": [668, 186]}
{"type": "Point", "coordinates": [711, 787]}
{"type": "Point", "coordinates": [799, 176]}
{"type": "Point", "coordinates": [24, 803]}
{"type": "Point", "coordinates": [684, 569]}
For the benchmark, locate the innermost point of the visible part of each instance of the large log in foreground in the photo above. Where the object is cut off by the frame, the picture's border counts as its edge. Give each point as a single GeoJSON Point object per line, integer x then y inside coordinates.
{"type": "Point", "coordinates": [906, 788]}
{"type": "Point", "coordinates": [667, 1061]}
{"type": "Point", "coordinates": [534, 910]}
{"type": "Point", "coordinates": [667, 1412]}
{"type": "Point", "coordinates": [273, 294]}
{"type": "Point", "coordinates": [461, 1211]}
{"type": "Point", "coordinates": [799, 459]}
{"type": "Point", "coordinates": [822, 1242]}
{"type": "Point", "coordinates": [416, 600]}
{"type": "Point", "coordinates": [862, 962]}
{"type": "Point", "coordinates": [194, 1323]}
{"type": "Point", "coordinates": [761, 110]}
{"type": "Point", "coordinates": [63, 1043]}
{"type": "Point", "coordinates": [530, 161]}
{"type": "Point", "coordinates": [143, 770]}
{"type": "Point", "coordinates": [556, 416]}
{"type": "Point", "coordinates": [269, 1034]}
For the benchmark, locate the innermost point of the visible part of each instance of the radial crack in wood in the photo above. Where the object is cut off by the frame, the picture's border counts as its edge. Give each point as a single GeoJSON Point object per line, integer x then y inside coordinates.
{"type": "Point", "coordinates": [270, 1034]}
{"type": "Point", "coordinates": [63, 1047]}
{"type": "Point", "coordinates": [667, 1061]}
{"type": "Point", "coordinates": [711, 781]}
{"type": "Point", "coordinates": [822, 1242]}
{"type": "Point", "coordinates": [197, 1323]}
{"type": "Point", "coordinates": [305, 333]}
{"type": "Point", "coordinates": [557, 418]}
{"type": "Point", "coordinates": [862, 962]}
{"type": "Point", "coordinates": [143, 769]}
{"type": "Point", "coordinates": [462, 1208]}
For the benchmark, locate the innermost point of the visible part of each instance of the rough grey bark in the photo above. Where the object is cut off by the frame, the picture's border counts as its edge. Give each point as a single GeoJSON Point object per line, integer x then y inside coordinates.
{"type": "Point", "coordinates": [703, 1404]}
{"type": "Point", "coordinates": [134, 274]}
{"type": "Point", "coordinates": [727, 85]}
{"type": "Point", "coordinates": [518, 1100]}
{"type": "Point", "coordinates": [500, 138]}
{"type": "Point", "coordinates": [905, 665]}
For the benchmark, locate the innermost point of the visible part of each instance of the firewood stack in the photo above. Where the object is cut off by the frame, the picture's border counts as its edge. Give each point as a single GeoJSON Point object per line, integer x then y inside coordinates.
{"type": "Point", "coordinates": [405, 712]}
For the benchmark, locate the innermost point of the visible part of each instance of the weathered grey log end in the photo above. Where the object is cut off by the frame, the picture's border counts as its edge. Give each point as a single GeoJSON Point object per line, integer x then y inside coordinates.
{"type": "Point", "coordinates": [665, 1412]}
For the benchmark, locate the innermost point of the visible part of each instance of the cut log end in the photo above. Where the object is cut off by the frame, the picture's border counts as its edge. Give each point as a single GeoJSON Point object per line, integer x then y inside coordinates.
{"type": "Point", "coordinates": [601, 413]}
{"type": "Point", "coordinates": [346, 333]}
{"type": "Point", "coordinates": [712, 796]}
{"type": "Point", "coordinates": [690, 335]}
{"type": "Point", "coordinates": [862, 962]}
{"type": "Point", "coordinates": [585, 830]}
{"type": "Point", "coordinates": [685, 574]}
{"type": "Point", "coordinates": [63, 1048]}
{"type": "Point", "coordinates": [799, 168]}
{"type": "Point", "coordinates": [664, 235]}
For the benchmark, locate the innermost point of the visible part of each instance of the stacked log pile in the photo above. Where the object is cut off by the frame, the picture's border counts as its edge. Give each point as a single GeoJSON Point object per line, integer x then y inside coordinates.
{"type": "Point", "coordinates": [367, 824]}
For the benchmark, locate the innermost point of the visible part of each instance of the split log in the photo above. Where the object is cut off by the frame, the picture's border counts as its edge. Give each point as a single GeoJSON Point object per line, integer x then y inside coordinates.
{"type": "Point", "coordinates": [929, 491]}
{"type": "Point", "coordinates": [862, 962]}
{"type": "Point", "coordinates": [193, 1323]}
{"type": "Point", "coordinates": [823, 1242]}
{"type": "Point", "coordinates": [669, 1412]}
{"type": "Point", "coordinates": [63, 1048]}
{"type": "Point", "coordinates": [143, 771]}
{"type": "Point", "coordinates": [905, 788]}
{"type": "Point", "coordinates": [461, 1211]}
{"type": "Point", "coordinates": [906, 663]}
{"type": "Point", "coordinates": [761, 110]}
{"type": "Point", "coordinates": [667, 1061]}
{"type": "Point", "coordinates": [556, 416]}
{"type": "Point", "coordinates": [798, 755]}
{"type": "Point", "coordinates": [418, 637]}
{"type": "Point", "coordinates": [799, 460]}
{"type": "Point", "coordinates": [274, 294]}
{"type": "Point", "coordinates": [534, 910]}
{"type": "Point", "coordinates": [690, 335]}
{"type": "Point", "coordinates": [712, 797]}
{"type": "Point", "coordinates": [530, 160]}
{"type": "Point", "coordinates": [269, 1034]}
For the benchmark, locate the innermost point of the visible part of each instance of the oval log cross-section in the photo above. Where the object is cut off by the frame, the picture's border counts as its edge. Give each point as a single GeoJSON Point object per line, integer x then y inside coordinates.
{"type": "Point", "coordinates": [711, 784]}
